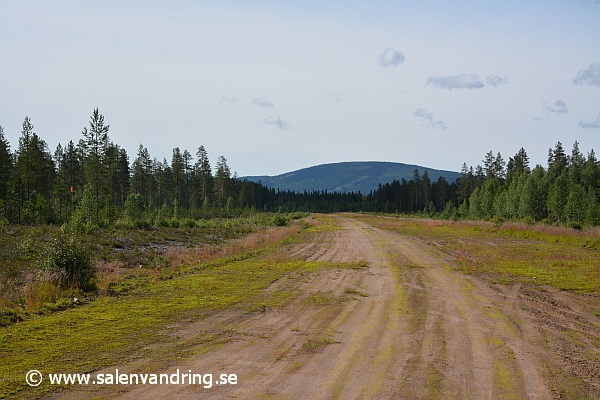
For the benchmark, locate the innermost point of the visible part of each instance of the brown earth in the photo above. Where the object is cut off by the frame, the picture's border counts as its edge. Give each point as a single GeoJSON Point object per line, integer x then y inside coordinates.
{"type": "Point", "coordinates": [408, 326]}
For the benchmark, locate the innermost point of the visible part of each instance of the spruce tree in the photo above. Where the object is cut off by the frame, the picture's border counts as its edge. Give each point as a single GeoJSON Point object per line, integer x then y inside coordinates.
{"type": "Point", "coordinates": [94, 144]}
{"type": "Point", "coordinates": [5, 165]}
{"type": "Point", "coordinates": [222, 176]}
{"type": "Point", "coordinates": [187, 169]}
{"type": "Point", "coordinates": [35, 176]}
{"type": "Point", "coordinates": [177, 168]}
{"type": "Point", "coordinates": [203, 174]}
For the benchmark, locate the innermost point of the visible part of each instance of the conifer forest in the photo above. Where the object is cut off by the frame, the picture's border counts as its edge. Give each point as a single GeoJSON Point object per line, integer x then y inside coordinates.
{"type": "Point", "coordinates": [90, 182]}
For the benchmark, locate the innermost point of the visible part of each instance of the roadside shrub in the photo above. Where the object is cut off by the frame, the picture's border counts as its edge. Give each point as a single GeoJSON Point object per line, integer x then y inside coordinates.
{"type": "Point", "coordinates": [280, 220]}
{"type": "Point", "coordinates": [74, 267]}
{"type": "Point", "coordinates": [188, 222]}
{"type": "Point", "coordinates": [159, 221]}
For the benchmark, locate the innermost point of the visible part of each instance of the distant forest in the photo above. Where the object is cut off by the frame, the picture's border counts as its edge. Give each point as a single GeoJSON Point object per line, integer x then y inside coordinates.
{"type": "Point", "coordinates": [92, 183]}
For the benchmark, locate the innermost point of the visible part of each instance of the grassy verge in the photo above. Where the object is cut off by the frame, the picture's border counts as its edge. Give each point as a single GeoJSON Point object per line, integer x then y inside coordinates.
{"type": "Point", "coordinates": [113, 329]}
{"type": "Point", "coordinates": [564, 258]}
{"type": "Point", "coordinates": [119, 253]}
{"type": "Point", "coordinates": [323, 223]}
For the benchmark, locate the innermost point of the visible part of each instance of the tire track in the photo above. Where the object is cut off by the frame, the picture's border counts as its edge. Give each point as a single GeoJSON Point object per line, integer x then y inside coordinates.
{"type": "Point", "coordinates": [422, 331]}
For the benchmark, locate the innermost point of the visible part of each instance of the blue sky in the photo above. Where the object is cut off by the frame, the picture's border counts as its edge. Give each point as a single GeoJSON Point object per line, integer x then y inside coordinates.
{"type": "Point", "coordinates": [277, 86]}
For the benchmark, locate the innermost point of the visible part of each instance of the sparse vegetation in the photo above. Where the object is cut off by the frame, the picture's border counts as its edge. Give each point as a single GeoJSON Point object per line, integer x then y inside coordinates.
{"type": "Point", "coordinates": [45, 268]}
{"type": "Point", "coordinates": [114, 327]}
{"type": "Point", "coordinates": [317, 343]}
{"type": "Point", "coordinates": [542, 255]}
{"type": "Point", "coordinates": [356, 292]}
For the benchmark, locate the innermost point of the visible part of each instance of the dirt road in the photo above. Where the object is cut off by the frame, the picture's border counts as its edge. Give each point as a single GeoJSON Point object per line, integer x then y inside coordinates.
{"type": "Point", "coordinates": [408, 326]}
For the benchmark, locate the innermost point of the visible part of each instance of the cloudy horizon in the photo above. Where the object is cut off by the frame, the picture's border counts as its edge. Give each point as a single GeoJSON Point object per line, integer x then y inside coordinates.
{"type": "Point", "coordinates": [276, 87]}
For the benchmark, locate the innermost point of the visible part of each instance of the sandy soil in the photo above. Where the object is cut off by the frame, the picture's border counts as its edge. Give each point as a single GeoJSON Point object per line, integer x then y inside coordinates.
{"type": "Point", "coordinates": [407, 327]}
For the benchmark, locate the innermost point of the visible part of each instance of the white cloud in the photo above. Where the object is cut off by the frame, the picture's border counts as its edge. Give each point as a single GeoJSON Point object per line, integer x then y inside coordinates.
{"type": "Point", "coordinates": [428, 119]}
{"type": "Point", "coordinates": [496, 80]}
{"type": "Point", "coordinates": [465, 81]}
{"type": "Point", "coordinates": [590, 124]}
{"type": "Point", "coordinates": [262, 102]}
{"type": "Point", "coordinates": [589, 76]}
{"type": "Point", "coordinates": [391, 57]}
{"type": "Point", "coordinates": [559, 107]}
{"type": "Point", "coordinates": [278, 122]}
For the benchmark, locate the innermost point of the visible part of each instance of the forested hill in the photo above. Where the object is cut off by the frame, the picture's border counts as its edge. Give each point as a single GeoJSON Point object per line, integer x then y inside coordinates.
{"type": "Point", "coordinates": [355, 176]}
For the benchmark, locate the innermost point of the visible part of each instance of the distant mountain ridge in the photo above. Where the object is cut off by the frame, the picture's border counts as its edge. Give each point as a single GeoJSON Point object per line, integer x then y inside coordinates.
{"type": "Point", "coordinates": [352, 176]}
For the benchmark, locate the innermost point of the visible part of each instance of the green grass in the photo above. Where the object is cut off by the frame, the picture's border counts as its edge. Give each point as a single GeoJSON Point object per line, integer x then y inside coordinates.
{"type": "Point", "coordinates": [317, 343]}
{"type": "Point", "coordinates": [323, 223]}
{"type": "Point", "coordinates": [26, 290]}
{"type": "Point", "coordinates": [559, 257]}
{"type": "Point", "coordinates": [113, 329]}
{"type": "Point", "coordinates": [355, 265]}
{"type": "Point", "coordinates": [356, 292]}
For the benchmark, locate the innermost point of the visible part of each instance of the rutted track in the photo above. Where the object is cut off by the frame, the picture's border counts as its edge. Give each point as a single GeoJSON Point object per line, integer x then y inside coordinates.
{"type": "Point", "coordinates": [408, 326]}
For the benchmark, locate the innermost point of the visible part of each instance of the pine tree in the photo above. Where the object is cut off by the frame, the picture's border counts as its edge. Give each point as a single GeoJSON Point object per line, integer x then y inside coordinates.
{"type": "Point", "coordinates": [222, 176]}
{"type": "Point", "coordinates": [426, 189]}
{"type": "Point", "coordinates": [576, 163]}
{"type": "Point", "coordinates": [69, 180]}
{"type": "Point", "coordinates": [463, 184]}
{"type": "Point", "coordinates": [5, 165]}
{"type": "Point", "coordinates": [94, 144]}
{"type": "Point", "coordinates": [488, 165]}
{"type": "Point", "coordinates": [118, 174]}
{"type": "Point", "coordinates": [166, 183]}
{"type": "Point", "coordinates": [141, 179]}
{"type": "Point", "coordinates": [203, 174]}
{"type": "Point", "coordinates": [187, 168]}
{"type": "Point", "coordinates": [415, 191]}
{"type": "Point", "coordinates": [178, 175]}
{"type": "Point", "coordinates": [577, 160]}
{"type": "Point", "coordinates": [35, 176]}
{"type": "Point", "coordinates": [521, 161]}
{"type": "Point", "coordinates": [499, 167]}
{"type": "Point", "coordinates": [517, 165]}
{"type": "Point", "coordinates": [557, 161]}
{"type": "Point", "coordinates": [479, 176]}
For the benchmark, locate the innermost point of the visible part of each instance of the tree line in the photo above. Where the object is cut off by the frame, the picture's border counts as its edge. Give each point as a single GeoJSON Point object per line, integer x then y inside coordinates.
{"type": "Point", "coordinates": [92, 183]}
{"type": "Point", "coordinates": [567, 192]}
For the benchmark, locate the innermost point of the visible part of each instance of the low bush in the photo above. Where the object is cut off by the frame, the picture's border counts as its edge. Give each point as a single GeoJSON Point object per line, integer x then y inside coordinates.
{"type": "Point", "coordinates": [69, 260]}
{"type": "Point", "coordinates": [280, 220]}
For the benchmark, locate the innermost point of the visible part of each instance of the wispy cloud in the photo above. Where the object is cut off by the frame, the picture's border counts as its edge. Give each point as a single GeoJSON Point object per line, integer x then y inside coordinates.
{"type": "Point", "coordinates": [589, 76]}
{"type": "Point", "coordinates": [228, 99]}
{"type": "Point", "coordinates": [590, 124]}
{"type": "Point", "coordinates": [428, 119]}
{"type": "Point", "coordinates": [391, 57]}
{"type": "Point", "coordinates": [559, 107]}
{"type": "Point", "coordinates": [262, 102]}
{"type": "Point", "coordinates": [466, 81]}
{"type": "Point", "coordinates": [278, 122]}
{"type": "Point", "coordinates": [495, 80]}
{"type": "Point", "coordinates": [336, 98]}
